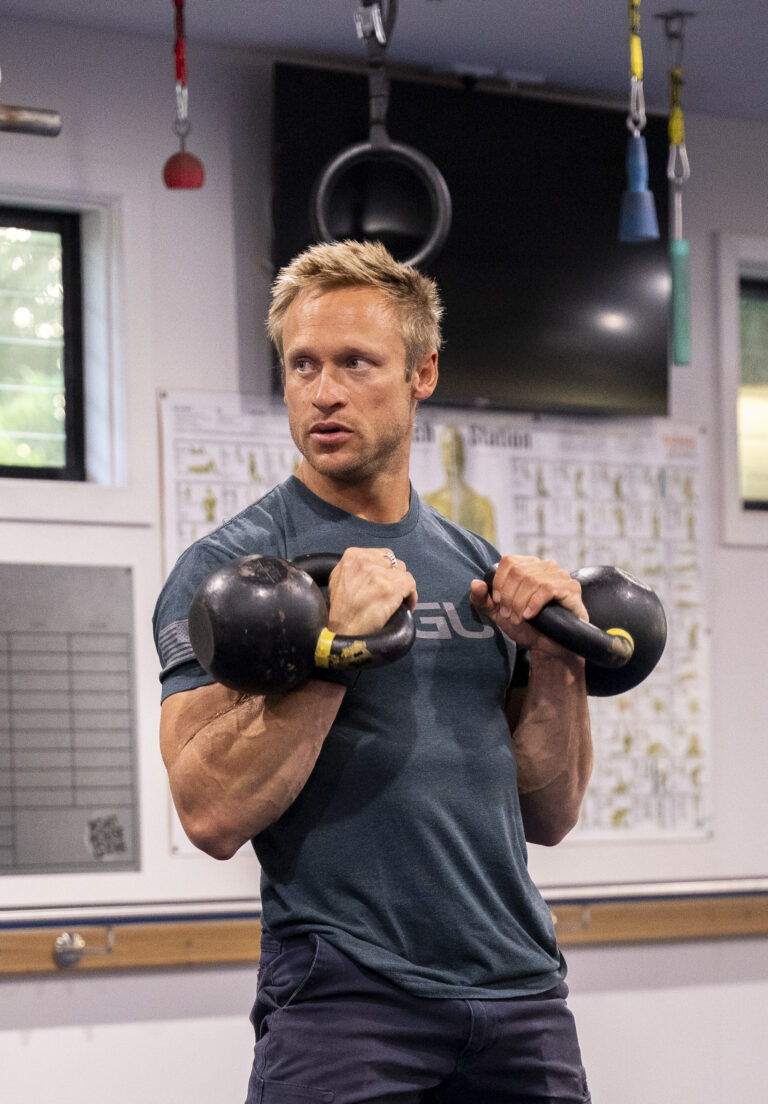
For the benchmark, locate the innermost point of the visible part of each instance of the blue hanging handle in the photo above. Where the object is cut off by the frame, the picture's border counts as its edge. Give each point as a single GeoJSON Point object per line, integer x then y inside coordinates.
{"type": "Point", "coordinates": [638, 220]}
{"type": "Point", "coordinates": [637, 164]}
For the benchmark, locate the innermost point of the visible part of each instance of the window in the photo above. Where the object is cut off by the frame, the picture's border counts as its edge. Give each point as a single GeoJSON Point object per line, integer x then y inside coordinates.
{"type": "Point", "coordinates": [753, 393]}
{"type": "Point", "coordinates": [742, 264]}
{"type": "Point", "coordinates": [41, 369]}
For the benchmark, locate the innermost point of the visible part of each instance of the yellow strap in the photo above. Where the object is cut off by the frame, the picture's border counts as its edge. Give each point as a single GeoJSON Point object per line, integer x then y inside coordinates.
{"type": "Point", "coordinates": [323, 648]}
{"type": "Point", "coordinates": [636, 56]}
{"type": "Point", "coordinates": [621, 632]}
{"type": "Point", "coordinates": [676, 127]}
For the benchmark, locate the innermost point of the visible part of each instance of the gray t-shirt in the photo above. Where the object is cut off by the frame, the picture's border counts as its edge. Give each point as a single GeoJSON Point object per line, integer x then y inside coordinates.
{"type": "Point", "coordinates": [405, 847]}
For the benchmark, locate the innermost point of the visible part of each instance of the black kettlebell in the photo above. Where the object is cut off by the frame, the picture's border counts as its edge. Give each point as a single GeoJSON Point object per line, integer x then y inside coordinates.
{"type": "Point", "coordinates": [258, 624]}
{"type": "Point", "coordinates": [626, 633]}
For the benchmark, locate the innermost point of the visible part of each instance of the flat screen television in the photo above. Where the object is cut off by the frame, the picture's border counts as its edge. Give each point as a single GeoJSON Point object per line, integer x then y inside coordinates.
{"type": "Point", "coordinates": [546, 310]}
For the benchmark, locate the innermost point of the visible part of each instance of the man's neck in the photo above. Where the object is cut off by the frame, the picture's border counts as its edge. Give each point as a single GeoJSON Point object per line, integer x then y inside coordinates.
{"type": "Point", "coordinates": [384, 499]}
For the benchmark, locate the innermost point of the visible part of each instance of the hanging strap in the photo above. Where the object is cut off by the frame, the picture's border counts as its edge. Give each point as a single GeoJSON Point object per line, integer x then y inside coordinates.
{"type": "Point", "coordinates": [181, 124]}
{"type": "Point", "coordinates": [678, 167]}
{"type": "Point", "coordinates": [636, 119]}
{"type": "Point", "coordinates": [635, 44]}
{"type": "Point", "coordinates": [376, 29]}
{"type": "Point", "coordinates": [179, 50]}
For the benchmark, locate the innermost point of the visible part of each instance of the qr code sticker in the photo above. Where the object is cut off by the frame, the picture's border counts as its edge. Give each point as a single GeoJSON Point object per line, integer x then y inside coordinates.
{"type": "Point", "coordinates": [106, 836]}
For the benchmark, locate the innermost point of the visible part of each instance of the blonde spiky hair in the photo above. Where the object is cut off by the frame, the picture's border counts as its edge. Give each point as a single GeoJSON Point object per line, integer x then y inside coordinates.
{"type": "Point", "coordinates": [330, 265]}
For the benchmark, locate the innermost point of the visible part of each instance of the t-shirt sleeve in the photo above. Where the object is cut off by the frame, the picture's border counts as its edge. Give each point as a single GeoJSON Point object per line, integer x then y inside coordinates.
{"type": "Point", "coordinates": [179, 668]}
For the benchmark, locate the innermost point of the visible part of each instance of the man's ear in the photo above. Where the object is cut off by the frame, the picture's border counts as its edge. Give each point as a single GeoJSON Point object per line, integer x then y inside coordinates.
{"type": "Point", "coordinates": [424, 377]}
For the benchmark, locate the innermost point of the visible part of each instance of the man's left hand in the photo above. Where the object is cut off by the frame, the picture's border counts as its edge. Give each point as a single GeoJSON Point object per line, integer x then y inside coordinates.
{"type": "Point", "coordinates": [522, 586]}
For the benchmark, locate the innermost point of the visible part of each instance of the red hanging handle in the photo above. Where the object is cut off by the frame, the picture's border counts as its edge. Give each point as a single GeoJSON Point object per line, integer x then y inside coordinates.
{"type": "Point", "coordinates": [182, 170]}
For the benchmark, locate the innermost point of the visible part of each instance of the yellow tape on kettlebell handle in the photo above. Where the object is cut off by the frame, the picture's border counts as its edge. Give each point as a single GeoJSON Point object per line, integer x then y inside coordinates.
{"type": "Point", "coordinates": [622, 632]}
{"type": "Point", "coordinates": [323, 648]}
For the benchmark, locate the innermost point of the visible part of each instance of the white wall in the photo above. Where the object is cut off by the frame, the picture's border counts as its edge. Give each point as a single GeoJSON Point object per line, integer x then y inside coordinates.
{"type": "Point", "coordinates": [658, 1022]}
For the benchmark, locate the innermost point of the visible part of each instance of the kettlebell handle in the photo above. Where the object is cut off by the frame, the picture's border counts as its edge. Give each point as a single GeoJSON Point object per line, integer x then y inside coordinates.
{"type": "Point", "coordinates": [259, 624]}
{"type": "Point", "coordinates": [613, 647]}
{"type": "Point", "coordinates": [376, 649]}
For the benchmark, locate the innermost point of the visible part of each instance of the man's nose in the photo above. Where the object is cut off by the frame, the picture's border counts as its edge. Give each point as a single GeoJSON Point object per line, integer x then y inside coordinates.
{"type": "Point", "coordinates": [330, 391]}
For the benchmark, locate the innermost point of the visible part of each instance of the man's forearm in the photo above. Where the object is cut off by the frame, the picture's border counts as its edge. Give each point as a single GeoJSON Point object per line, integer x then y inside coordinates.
{"type": "Point", "coordinates": [235, 763]}
{"type": "Point", "coordinates": [553, 747]}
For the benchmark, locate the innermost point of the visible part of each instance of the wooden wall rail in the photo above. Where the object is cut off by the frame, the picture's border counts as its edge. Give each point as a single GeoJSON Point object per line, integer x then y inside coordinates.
{"type": "Point", "coordinates": [206, 942]}
{"type": "Point", "coordinates": [657, 919]}
{"type": "Point", "coordinates": [136, 946]}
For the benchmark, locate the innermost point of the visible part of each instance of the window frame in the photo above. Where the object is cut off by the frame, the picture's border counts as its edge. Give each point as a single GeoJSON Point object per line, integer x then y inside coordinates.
{"type": "Point", "coordinates": [66, 223]}
{"type": "Point", "coordinates": [740, 257]}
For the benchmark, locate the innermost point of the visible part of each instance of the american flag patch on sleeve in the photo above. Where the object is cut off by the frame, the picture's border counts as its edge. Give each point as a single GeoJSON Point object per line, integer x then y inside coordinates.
{"type": "Point", "coordinates": [173, 645]}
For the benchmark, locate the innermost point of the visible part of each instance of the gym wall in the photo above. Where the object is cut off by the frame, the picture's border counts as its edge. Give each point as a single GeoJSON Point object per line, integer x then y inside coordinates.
{"type": "Point", "coordinates": [192, 274]}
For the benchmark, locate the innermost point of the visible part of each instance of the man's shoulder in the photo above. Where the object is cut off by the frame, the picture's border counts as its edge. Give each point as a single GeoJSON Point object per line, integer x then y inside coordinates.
{"type": "Point", "coordinates": [235, 535]}
{"type": "Point", "coordinates": [257, 528]}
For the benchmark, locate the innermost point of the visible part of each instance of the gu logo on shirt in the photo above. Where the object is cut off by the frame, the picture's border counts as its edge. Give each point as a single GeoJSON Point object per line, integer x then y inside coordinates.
{"type": "Point", "coordinates": [446, 623]}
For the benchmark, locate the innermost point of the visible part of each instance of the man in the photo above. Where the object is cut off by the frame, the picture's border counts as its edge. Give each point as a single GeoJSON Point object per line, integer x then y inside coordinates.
{"type": "Point", "coordinates": [406, 955]}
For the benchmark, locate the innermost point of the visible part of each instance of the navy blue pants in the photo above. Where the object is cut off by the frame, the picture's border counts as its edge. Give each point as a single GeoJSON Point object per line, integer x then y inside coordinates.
{"type": "Point", "coordinates": [330, 1031]}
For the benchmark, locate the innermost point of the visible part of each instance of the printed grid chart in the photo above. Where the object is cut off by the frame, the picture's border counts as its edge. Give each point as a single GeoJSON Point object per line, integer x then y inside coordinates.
{"type": "Point", "coordinates": [67, 760]}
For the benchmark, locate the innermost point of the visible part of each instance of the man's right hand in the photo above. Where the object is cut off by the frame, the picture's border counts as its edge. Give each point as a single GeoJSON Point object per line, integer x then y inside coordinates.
{"type": "Point", "coordinates": [365, 589]}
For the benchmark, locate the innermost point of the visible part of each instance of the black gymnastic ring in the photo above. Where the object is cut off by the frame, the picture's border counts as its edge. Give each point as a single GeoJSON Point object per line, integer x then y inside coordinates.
{"type": "Point", "coordinates": [426, 170]}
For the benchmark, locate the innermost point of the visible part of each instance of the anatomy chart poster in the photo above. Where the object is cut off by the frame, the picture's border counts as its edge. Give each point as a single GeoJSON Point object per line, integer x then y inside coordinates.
{"type": "Point", "coordinates": [628, 493]}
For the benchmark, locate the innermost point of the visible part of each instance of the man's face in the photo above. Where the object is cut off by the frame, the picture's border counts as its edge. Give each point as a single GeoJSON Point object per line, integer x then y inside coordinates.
{"type": "Point", "coordinates": [350, 407]}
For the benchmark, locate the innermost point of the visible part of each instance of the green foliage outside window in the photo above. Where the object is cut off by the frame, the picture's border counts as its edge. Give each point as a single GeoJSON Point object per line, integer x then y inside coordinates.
{"type": "Point", "coordinates": [753, 394]}
{"type": "Point", "coordinates": [32, 408]}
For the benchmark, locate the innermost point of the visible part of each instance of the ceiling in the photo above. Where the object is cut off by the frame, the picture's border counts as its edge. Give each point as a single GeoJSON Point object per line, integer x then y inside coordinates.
{"type": "Point", "coordinates": [582, 44]}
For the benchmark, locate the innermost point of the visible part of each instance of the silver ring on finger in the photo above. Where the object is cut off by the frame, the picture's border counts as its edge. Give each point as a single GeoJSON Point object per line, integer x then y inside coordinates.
{"type": "Point", "coordinates": [391, 557]}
